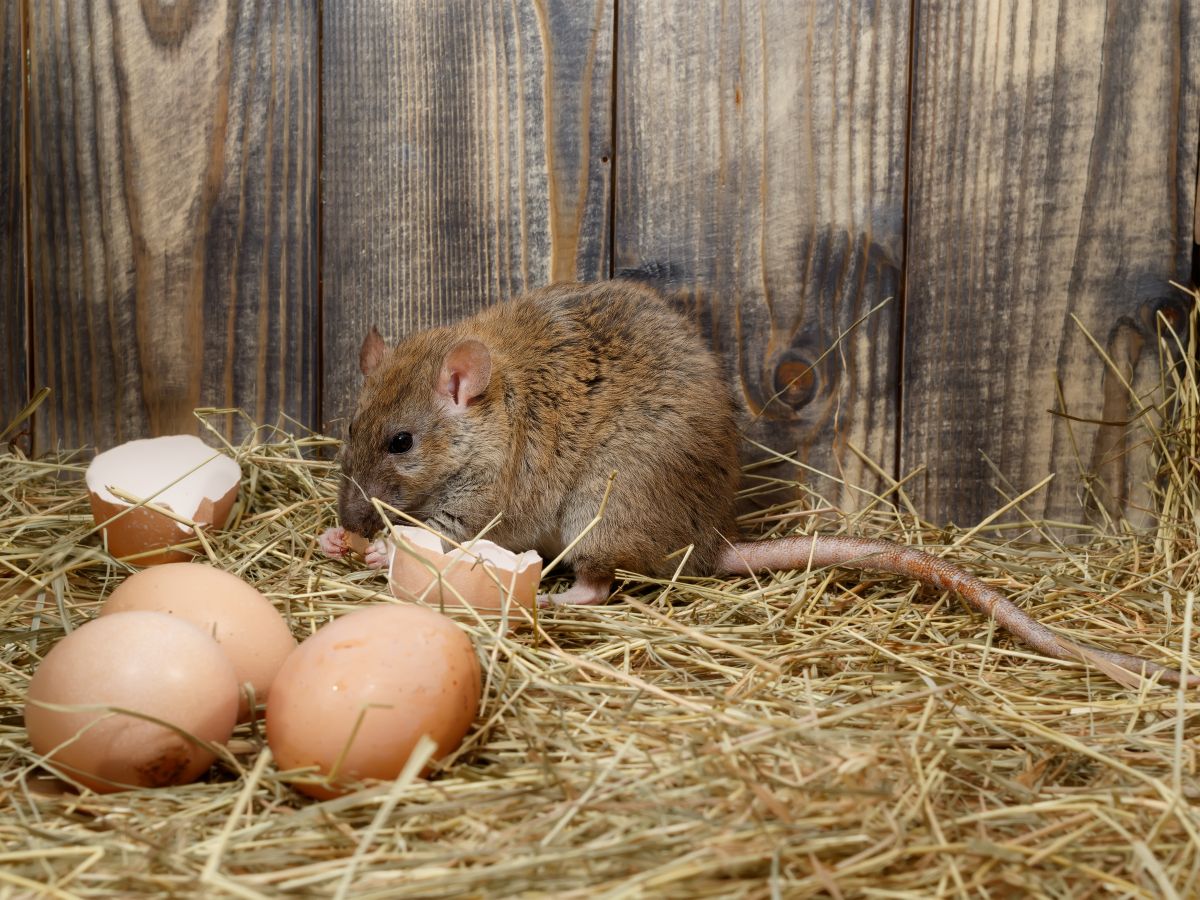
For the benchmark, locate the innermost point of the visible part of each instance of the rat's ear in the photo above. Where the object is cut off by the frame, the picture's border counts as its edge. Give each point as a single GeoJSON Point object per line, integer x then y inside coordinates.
{"type": "Point", "coordinates": [465, 374]}
{"type": "Point", "coordinates": [372, 352]}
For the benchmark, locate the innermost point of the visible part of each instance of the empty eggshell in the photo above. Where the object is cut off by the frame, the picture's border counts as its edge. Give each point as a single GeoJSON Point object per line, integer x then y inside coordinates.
{"type": "Point", "coordinates": [249, 629]}
{"type": "Point", "coordinates": [485, 578]}
{"type": "Point", "coordinates": [178, 472]}
{"type": "Point", "coordinates": [148, 662]}
{"type": "Point", "coordinates": [360, 692]}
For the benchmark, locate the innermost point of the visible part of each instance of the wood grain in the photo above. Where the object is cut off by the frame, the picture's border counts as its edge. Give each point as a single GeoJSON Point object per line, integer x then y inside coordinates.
{"type": "Point", "coordinates": [466, 157]}
{"type": "Point", "coordinates": [1053, 170]}
{"type": "Point", "coordinates": [173, 184]}
{"type": "Point", "coordinates": [14, 385]}
{"type": "Point", "coordinates": [760, 164]}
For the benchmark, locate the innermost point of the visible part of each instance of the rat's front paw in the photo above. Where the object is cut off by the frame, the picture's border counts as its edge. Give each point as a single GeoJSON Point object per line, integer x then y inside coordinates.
{"type": "Point", "coordinates": [333, 542]}
{"type": "Point", "coordinates": [338, 543]}
{"type": "Point", "coordinates": [378, 554]}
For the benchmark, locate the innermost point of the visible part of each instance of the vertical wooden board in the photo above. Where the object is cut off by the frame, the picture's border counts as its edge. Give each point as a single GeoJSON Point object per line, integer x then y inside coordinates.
{"type": "Point", "coordinates": [14, 386]}
{"type": "Point", "coordinates": [466, 157]}
{"type": "Point", "coordinates": [1053, 161]}
{"type": "Point", "coordinates": [760, 165]}
{"type": "Point", "coordinates": [173, 209]}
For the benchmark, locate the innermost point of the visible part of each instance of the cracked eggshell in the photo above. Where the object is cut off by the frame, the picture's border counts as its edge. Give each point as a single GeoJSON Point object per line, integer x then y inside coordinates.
{"type": "Point", "coordinates": [148, 662]}
{"type": "Point", "coordinates": [357, 544]}
{"type": "Point", "coordinates": [417, 561]}
{"type": "Point", "coordinates": [203, 487]}
{"type": "Point", "coordinates": [249, 629]}
{"type": "Point", "coordinates": [354, 699]}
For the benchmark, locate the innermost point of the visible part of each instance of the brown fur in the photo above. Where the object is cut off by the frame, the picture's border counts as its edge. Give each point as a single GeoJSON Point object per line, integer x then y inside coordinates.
{"type": "Point", "coordinates": [586, 379]}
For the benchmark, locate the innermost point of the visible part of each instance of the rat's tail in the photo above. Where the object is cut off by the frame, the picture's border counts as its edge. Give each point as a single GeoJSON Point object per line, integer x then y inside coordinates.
{"type": "Point", "coordinates": [870, 555]}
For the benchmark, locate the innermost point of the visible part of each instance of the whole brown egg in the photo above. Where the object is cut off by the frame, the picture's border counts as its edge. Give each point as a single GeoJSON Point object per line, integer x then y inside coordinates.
{"type": "Point", "coordinates": [132, 700]}
{"type": "Point", "coordinates": [239, 618]}
{"type": "Point", "coordinates": [354, 699]}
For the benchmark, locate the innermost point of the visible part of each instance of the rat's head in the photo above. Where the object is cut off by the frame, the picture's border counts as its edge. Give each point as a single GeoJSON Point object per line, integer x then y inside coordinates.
{"type": "Point", "coordinates": [427, 436]}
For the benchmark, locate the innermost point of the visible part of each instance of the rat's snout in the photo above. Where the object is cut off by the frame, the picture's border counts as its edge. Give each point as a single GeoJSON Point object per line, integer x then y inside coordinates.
{"type": "Point", "coordinates": [355, 510]}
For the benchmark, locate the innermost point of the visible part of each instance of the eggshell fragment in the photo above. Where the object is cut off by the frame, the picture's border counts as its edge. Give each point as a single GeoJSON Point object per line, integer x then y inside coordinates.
{"type": "Point", "coordinates": [357, 543]}
{"type": "Point", "coordinates": [249, 629]}
{"type": "Point", "coordinates": [178, 472]}
{"type": "Point", "coordinates": [147, 662]}
{"type": "Point", "coordinates": [360, 692]}
{"type": "Point", "coordinates": [338, 543]}
{"type": "Point", "coordinates": [485, 578]}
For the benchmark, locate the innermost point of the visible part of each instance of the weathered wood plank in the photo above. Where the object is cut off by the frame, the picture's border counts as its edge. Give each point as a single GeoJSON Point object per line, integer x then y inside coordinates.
{"type": "Point", "coordinates": [760, 161]}
{"type": "Point", "coordinates": [465, 158]}
{"type": "Point", "coordinates": [14, 385]}
{"type": "Point", "coordinates": [1053, 170]}
{"type": "Point", "coordinates": [173, 182]}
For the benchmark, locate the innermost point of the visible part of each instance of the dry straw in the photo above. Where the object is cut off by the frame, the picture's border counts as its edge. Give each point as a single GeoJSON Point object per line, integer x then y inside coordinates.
{"type": "Point", "coordinates": [807, 734]}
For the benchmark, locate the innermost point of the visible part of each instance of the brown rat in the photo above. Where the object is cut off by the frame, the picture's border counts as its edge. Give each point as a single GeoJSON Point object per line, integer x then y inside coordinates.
{"type": "Point", "coordinates": [528, 407]}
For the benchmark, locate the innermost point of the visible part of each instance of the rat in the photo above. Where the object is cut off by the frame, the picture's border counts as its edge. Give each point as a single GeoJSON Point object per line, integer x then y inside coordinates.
{"type": "Point", "coordinates": [526, 410]}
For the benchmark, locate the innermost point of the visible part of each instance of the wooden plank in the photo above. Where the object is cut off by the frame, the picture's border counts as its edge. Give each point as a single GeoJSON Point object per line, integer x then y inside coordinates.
{"type": "Point", "coordinates": [14, 385]}
{"type": "Point", "coordinates": [760, 163]}
{"type": "Point", "coordinates": [1053, 164]}
{"type": "Point", "coordinates": [173, 185]}
{"type": "Point", "coordinates": [466, 157]}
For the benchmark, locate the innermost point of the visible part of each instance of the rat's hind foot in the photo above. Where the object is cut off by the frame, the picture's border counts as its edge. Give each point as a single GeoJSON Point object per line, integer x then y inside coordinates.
{"type": "Point", "coordinates": [584, 592]}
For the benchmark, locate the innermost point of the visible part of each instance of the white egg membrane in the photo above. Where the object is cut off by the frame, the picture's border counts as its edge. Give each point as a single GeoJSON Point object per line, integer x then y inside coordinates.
{"type": "Point", "coordinates": [481, 549]}
{"type": "Point", "coordinates": [143, 468]}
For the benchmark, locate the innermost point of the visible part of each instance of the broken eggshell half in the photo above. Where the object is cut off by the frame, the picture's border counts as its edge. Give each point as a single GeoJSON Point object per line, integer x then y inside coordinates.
{"type": "Point", "coordinates": [177, 472]}
{"type": "Point", "coordinates": [483, 578]}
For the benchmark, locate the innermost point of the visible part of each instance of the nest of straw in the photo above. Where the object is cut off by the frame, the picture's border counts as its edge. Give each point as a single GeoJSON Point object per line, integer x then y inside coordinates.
{"type": "Point", "coordinates": [812, 733]}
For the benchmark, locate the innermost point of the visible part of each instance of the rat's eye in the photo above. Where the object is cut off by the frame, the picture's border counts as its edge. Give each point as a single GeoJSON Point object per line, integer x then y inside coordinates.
{"type": "Point", "coordinates": [401, 442]}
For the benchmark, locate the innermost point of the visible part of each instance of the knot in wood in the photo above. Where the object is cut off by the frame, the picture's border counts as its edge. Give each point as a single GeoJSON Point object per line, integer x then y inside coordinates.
{"type": "Point", "coordinates": [796, 381]}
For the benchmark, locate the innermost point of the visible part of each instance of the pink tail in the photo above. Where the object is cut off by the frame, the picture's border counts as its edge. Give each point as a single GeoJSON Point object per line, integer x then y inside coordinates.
{"type": "Point", "coordinates": [869, 555]}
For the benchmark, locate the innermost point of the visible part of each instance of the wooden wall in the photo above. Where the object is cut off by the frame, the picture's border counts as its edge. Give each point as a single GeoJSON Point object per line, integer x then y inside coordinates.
{"type": "Point", "coordinates": [898, 223]}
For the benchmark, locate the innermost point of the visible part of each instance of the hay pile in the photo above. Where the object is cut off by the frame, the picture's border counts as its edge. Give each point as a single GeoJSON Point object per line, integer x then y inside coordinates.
{"type": "Point", "coordinates": [812, 734]}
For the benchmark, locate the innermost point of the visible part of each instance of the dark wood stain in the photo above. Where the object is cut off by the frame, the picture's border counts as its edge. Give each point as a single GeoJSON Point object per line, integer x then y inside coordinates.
{"type": "Point", "coordinates": [168, 23]}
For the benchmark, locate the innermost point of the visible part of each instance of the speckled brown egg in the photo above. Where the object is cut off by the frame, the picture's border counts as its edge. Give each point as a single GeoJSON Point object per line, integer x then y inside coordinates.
{"type": "Point", "coordinates": [355, 697]}
{"type": "Point", "coordinates": [145, 662]}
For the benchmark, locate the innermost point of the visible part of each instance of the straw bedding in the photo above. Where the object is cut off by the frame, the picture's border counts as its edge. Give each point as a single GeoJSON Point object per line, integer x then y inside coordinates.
{"type": "Point", "coordinates": [807, 734]}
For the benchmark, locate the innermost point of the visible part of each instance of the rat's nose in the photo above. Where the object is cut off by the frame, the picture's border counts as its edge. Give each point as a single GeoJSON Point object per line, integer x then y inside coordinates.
{"type": "Point", "coordinates": [355, 510]}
